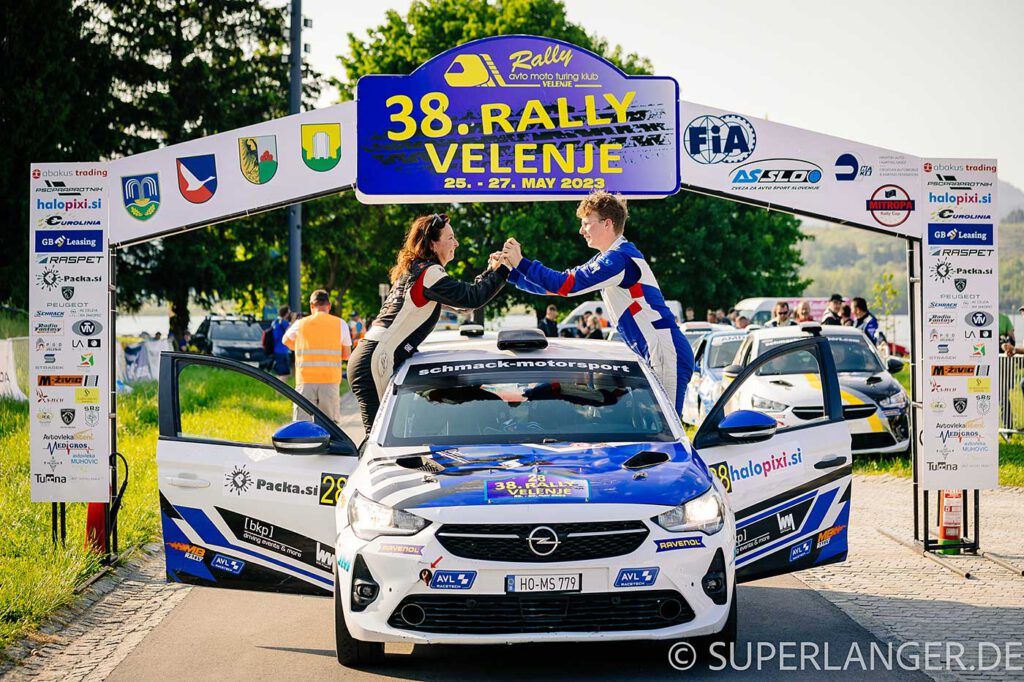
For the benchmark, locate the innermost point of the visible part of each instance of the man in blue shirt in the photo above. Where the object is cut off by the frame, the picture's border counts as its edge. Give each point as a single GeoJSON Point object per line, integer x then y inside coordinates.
{"type": "Point", "coordinates": [282, 368]}
{"type": "Point", "coordinates": [865, 320]}
{"type": "Point", "coordinates": [627, 286]}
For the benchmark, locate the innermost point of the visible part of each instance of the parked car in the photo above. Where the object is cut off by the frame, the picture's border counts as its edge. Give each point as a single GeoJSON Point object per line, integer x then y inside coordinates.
{"type": "Point", "coordinates": [874, 404]}
{"type": "Point", "coordinates": [712, 354]}
{"type": "Point", "coordinates": [513, 490]}
{"type": "Point", "coordinates": [236, 337]}
{"type": "Point", "coordinates": [695, 331]}
{"type": "Point", "coordinates": [568, 323]}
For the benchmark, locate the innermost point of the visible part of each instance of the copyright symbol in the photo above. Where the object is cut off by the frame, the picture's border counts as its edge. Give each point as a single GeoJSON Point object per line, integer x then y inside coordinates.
{"type": "Point", "coordinates": [682, 656]}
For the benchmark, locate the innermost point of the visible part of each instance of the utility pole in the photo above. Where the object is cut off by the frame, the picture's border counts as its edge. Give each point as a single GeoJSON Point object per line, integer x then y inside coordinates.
{"type": "Point", "coordinates": [295, 211]}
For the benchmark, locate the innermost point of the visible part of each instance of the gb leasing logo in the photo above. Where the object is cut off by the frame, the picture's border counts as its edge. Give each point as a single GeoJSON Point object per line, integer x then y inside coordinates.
{"type": "Point", "coordinates": [956, 234]}
{"type": "Point", "coordinates": [720, 139]}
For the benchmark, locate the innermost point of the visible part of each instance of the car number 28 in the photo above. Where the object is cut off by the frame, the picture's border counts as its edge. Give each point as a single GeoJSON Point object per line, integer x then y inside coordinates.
{"type": "Point", "coordinates": [569, 582]}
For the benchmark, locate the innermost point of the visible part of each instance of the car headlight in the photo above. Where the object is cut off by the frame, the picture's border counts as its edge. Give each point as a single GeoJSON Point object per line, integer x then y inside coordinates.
{"type": "Point", "coordinates": [897, 399]}
{"type": "Point", "coordinates": [759, 403]}
{"type": "Point", "coordinates": [703, 513]}
{"type": "Point", "coordinates": [370, 519]}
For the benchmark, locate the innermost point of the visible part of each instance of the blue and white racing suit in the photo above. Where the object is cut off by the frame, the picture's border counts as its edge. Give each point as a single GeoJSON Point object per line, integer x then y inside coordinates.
{"type": "Point", "coordinates": [634, 303]}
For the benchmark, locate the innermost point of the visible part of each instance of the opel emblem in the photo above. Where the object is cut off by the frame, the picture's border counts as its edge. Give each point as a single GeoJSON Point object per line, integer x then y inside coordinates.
{"type": "Point", "coordinates": [543, 541]}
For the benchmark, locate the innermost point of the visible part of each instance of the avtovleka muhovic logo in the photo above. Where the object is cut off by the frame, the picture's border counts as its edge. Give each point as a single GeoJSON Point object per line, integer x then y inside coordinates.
{"type": "Point", "coordinates": [257, 157]}
{"type": "Point", "coordinates": [141, 195]}
{"type": "Point", "coordinates": [321, 145]}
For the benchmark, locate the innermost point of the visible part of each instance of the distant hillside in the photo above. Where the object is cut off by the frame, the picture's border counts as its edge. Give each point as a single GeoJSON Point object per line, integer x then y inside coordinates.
{"type": "Point", "coordinates": [1010, 199]}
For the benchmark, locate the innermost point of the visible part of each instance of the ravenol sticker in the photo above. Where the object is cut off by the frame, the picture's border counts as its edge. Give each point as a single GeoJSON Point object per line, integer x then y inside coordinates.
{"type": "Point", "coordinates": [534, 487]}
{"type": "Point", "coordinates": [392, 548]}
{"type": "Point", "coordinates": [679, 543]}
{"type": "Point", "coordinates": [228, 564]}
{"type": "Point", "coordinates": [452, 580]}
{"type": "Point", "coordinates": [801, 550]}
{"type": "Point", "coordinates": [636, 577]}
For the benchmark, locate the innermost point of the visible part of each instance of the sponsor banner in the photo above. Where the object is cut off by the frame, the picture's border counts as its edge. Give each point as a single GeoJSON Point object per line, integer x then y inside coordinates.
{"type": "Point", "coordinates": [516, 118]}
{"type": "Point", "coordinates": [69, 371]}
{"type": "Point", "coordinates": [231, 174]}
{"type": "Point", "coordinates": [768, 163]}
{"type": "Point", "coordinates": [960, 289]}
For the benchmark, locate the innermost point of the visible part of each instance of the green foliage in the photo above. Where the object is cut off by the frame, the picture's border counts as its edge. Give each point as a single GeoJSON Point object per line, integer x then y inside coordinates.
{"type": "Point", "coordinates": [884, 303]}
{"type": "Point", "coordinates": [54, 106]}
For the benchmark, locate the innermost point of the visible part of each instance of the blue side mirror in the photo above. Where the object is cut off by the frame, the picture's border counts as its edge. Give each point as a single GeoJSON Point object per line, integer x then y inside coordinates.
{"type": "Point", "coordinates": [747, 426]}
{"type": "Point", "coordinates": [301, 438]}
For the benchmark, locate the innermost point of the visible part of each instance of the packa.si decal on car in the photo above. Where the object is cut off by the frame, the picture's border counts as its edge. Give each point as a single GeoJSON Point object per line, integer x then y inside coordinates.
{"type": "Point", "coordinates": [240, 481]}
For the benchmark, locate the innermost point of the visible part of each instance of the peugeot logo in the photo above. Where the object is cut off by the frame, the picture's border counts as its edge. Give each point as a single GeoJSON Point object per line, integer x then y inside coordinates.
{"type": "Point", "coordinates": [543, 541]}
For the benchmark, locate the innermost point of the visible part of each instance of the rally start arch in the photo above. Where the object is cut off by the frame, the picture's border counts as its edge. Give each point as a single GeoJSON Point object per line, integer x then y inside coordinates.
{"type": "Point", "coordinates": [513, 118]}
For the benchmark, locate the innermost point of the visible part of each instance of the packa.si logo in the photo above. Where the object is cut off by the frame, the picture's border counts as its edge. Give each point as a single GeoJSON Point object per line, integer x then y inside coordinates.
{"type": "Point", "coordinates": [141, 195]}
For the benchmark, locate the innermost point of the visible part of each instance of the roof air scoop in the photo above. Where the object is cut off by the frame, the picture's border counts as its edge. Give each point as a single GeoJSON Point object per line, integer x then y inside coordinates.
{"type": "Point", "coordinates": [645, 460]}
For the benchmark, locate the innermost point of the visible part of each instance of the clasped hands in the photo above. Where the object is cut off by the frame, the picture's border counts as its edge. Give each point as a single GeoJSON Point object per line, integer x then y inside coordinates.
{"type": "Point", "coordinates": [511, 253]}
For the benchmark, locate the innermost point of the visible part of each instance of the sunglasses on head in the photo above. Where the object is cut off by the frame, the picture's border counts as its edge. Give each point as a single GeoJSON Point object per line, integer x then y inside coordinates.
{"type": "Point", "coordinates": [436, 221]}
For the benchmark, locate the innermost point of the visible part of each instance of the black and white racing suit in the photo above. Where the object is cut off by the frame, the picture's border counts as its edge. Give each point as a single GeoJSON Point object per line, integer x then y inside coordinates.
{"type": "Point", "coordinates": [409, 313]}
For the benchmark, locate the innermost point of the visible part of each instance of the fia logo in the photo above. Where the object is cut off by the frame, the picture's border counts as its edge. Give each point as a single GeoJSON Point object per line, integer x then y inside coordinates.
{"type": "Point", "coordinates": [720, 139]}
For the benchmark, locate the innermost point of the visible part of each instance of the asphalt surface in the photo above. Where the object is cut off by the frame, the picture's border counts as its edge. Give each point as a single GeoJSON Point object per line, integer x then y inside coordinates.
{"type": "Point", "coordinates": [234, 635]}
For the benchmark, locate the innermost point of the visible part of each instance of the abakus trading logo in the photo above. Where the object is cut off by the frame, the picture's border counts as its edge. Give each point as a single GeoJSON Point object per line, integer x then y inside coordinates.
{"type": "Point", "coordinates": [720, 139]}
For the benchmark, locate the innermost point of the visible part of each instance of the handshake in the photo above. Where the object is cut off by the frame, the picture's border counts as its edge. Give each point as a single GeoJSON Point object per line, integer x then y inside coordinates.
{"type": "Point", "coordinates": [510, 255]}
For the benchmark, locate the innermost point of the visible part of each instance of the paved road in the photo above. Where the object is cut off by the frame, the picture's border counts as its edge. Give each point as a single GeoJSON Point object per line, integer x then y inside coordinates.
{"type": "Point", "coordinates": [231, 635]}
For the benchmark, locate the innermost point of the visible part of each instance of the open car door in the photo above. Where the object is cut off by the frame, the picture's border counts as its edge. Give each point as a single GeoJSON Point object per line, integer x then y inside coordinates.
{"type": "Point", "coordinates": [247, 497]}
{"type": "Point", "coordinates": [789, 487]}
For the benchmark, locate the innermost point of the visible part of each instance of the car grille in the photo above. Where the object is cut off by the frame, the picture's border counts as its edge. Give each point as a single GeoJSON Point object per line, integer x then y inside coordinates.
{"type": "Point", "coordinates": [520, 613]}
{"type": "Point", "coordinates": [849, 412]}
{"type": "Point", "coordinates": [871, 441]}
{"type": "Point", "coordinates": [508, 542]}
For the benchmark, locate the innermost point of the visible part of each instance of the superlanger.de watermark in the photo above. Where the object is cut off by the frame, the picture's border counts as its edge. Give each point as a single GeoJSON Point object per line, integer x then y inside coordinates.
{"type": "Point", "coordinates": [875, 656]}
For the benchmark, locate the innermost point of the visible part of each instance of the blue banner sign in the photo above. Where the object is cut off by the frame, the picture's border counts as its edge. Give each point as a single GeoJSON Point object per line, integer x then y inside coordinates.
{"type": "Point", "coordinates": [516, 117]}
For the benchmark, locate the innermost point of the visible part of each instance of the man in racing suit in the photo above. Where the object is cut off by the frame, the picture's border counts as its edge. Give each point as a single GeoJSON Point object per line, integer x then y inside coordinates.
{"type": "Point", "coordinates": [627, 285]}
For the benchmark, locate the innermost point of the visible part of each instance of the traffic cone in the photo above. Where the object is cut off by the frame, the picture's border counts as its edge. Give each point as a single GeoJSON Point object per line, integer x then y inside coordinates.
{"type": "Point", "coordinates": [950, 520]}
{"type": "Point", "coordinates": [96, 528]}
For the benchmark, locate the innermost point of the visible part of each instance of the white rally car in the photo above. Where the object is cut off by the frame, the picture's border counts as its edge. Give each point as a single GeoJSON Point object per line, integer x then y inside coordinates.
{"type": "Point", "coordinates": [510, 491]}
{"type": "Point", "coordinates": [874, 403]}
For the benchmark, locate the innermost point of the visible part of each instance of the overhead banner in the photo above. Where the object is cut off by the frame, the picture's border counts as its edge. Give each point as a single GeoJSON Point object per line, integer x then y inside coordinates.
{"type": "Point", "coordinates": [69, 339]}
{"type": "Point", "coordinates": [960, 286]}
{"type": "Point", "coordinates": [778, 166]}
{"type": "Point", "coordinates": [515, 118]}
{"type": "Point", "coordinates": [232, 174]}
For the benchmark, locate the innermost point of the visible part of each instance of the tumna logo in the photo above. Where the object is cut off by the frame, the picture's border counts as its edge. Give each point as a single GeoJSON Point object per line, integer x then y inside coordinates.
{"type": "Point", "coordinates": [141, 195]}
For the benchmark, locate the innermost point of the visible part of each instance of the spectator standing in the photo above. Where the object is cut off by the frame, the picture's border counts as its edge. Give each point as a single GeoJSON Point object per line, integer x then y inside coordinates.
{"type": "Point", "coordinates": [549, 323]}
{"type": "Point", "coordinates": [600, 318]}
{"type": "Point", "coordinates": [321, 343]}
{"type": "Point", "coordinates": [356, 328]}
{"type": "Point", "coordinates": [833, 314]}
{"type": "Point", "coordinates": [722, 318]}
{"type": "Point", "coordinates": [282, 364]}
{"type": "Point", "coordinates": [594, 328]}
{"type": "Point", "coordinates": [780, 315]}
{"type": "Point", "coordinates": [864, 319]}
{"type": "Point", "coordinates": [803, 312]}
{"type": "Point", "coordinates": [690, 315]}
{"type": "Point", "coordinates": [711, 317]}
{"type": "Point", "coordinates": [583, 325]}
{"type": "Point", "coordinates": [742, 322]}
{"type": "Point", "coordinates": [845, 316]}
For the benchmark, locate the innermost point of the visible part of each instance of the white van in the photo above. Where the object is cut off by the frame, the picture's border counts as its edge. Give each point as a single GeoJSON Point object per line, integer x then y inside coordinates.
{"type": "Point", "coordinates": [570, 320]}
{"type": "Point", "coordinates": [759, 310]}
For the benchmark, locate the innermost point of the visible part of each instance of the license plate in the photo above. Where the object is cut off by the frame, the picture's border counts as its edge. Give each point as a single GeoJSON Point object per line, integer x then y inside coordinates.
{"type": "Point", "coordinates": [565, 582]}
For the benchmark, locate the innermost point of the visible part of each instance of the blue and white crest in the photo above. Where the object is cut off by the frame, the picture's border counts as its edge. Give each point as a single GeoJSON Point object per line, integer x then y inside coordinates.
{"type": "Point", "coordinates": [141, 195]}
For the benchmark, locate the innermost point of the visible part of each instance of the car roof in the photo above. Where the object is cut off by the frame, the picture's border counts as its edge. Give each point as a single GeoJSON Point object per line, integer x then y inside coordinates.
{"type": "Point", "coordinates": [469, 349]}
{"type": "Point", "coordinates": [796, 331]}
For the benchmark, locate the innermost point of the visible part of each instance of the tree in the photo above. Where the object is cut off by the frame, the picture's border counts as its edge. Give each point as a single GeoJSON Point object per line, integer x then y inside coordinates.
{"type": "Point", "coordinates": [53, 107]}
{"type": "Point", "coordinates": [884, 294]}
{"type": "Point", "coordinates": [185, 70]}
{"type": "Point", "coordinates": [691, 240]}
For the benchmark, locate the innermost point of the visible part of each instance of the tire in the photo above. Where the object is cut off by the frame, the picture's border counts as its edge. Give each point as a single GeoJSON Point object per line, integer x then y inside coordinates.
{"type": "Point", "coordinates": [351, 652]}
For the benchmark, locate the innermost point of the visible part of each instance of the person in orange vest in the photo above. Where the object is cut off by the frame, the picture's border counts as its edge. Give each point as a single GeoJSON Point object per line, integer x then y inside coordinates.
{"type": "Point", "coordinates": [321, 343]}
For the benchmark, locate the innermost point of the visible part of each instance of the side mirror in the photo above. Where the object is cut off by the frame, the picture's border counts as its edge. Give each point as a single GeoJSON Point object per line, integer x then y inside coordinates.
{"type": "Point", "coordinates": [894, 365]}
{"type": "Point", "coordinates": [747, 426]}
{"type": "Point", "coordinates": [301, 438]}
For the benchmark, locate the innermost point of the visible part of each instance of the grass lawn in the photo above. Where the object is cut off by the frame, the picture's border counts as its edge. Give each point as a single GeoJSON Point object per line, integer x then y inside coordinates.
{"type": "Point", "coordinates": [36, 578]}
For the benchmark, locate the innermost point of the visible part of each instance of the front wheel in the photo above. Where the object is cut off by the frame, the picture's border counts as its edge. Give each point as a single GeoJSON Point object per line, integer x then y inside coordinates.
{"type": "Point", "coordinates": [352, 652]}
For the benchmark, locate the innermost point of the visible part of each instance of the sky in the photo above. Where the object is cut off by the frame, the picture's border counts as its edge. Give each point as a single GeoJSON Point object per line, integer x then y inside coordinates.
{"type": "Point", "coordinates": [924, 77]}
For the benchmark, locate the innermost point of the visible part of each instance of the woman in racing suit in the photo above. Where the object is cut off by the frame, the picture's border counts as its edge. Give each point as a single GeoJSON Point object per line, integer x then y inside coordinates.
{"type": "Point", "coordinates": [419, 287]}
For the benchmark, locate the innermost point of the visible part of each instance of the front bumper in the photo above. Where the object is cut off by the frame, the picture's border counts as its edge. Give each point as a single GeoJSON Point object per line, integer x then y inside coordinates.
{"type": "Point", "coordinates": [666, 603]}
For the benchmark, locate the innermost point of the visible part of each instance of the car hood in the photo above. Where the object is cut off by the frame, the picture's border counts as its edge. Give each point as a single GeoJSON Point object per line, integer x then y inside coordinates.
{"type": "Point", "coordinates": [238, 345]}
{"type": "Point", "coordinates": [805, 389]}
{"type": "Point", "coordinates": [881, 384]}
{"type": "Point", "coordinates": [536, 474]}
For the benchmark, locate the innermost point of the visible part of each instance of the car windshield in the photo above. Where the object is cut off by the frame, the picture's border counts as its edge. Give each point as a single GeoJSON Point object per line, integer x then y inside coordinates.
{"type": "Point", "coordinates": [695, 335]}
{"type": "Point", "coordinates": [723, 350]}
{"type": "Point", "coordinates": [235, 331]}
{"type": "Point", "coordinates": [851, 354]}
{"type": "Point", "coordinates": [567, 401]}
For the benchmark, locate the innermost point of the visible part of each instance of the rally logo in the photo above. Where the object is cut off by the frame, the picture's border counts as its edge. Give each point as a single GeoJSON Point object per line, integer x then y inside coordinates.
{"type": "Point", "coordinates": [777, 173]}
{"type": "Point", "coordinates": [890, 205]}
{"type": "Point", "coordinates": [197, 177]}
{"type": "Point", "coordinates": [321, 146]}
{"type": "Point", "coordinates": [825, 536]}
{"type": "Point", "coordinates": [848, 168]}
{"type": "Point", "coordinates": [720, 139]}
{"type": "Point", "coordinates": [257, 158]}
{"type": "Point", "coordinates": [141, 195]}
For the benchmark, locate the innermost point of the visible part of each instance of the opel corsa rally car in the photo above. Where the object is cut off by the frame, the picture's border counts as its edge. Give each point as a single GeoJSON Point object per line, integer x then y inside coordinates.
{"type": "Point", "coordinates": [712, 354]}
{"type": "Point", "coordinates": [510, 491]}
{"type": "Point", "coordinates": [874, 403]}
